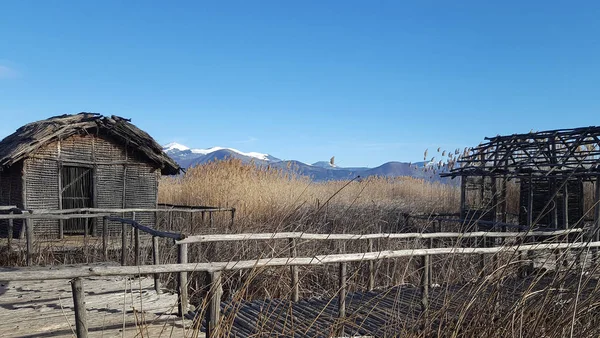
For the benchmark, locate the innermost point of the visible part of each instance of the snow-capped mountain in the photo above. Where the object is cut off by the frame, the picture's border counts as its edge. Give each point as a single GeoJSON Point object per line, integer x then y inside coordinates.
{"type": "Point", "coordinates": [318, 171]}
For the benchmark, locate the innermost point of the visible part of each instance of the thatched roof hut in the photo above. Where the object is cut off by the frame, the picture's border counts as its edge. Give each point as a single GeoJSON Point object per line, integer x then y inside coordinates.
{"type": "Point", "coordinates": [78, 161]}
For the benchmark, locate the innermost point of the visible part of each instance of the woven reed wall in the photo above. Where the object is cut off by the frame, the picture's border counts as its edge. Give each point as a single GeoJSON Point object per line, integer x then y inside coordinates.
{"type": "Point", "coordinates": [41, 185]}
{"type": "Point", "coordinates": [130, 183]}
{"type": "Point", "coordinates": [11, 193]}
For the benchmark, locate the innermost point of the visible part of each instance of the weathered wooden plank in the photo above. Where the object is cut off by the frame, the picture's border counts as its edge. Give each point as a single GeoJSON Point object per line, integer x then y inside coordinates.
{"type": "Point", "coordinates": [15, 274]}
{"type": "Point", "coordinates": [315, 236]}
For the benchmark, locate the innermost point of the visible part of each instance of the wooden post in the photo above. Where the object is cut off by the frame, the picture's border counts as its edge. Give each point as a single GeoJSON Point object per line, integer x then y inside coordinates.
{"type": "Point", "coordinates": [596, 230]}
{"type": "Point", "coordinates": [294, 271]}
{"type": "Point", "coordinates": [213, 313]}
{"type": "Point", "coordinates": [123, 244]}
{"type": "Point", "coordinates": [211, 219]}
{"type": "Point", "coordinates": [463, 197]}
{"type": "Point", "coordinates": [371, 267]}
{"type": "Point", "coordinates": [566, 206]}
{"type": "Point", "coordinates": [156, 261]}
{"type": "Point", "coordinates": [342, 296]}
{"type": "Point", "coordinates": [232, 216]}
{"type": "Point", "coordinates": [136, 235]}
{"type": "Point", "coordinates": [430, 272]}
{"type": "Point", "coordinates": [105, 238]}
{"type": "Point", "coordinates": [203, 217]}
{"type": "Point", "coordinates": [482, 257]}
{"type": "Point", "coordinates": [86, 227]}
{"type": "Point", "coordinates": [425, 282]}
{"type": "Point", "coordinates": [342, 293]}
{"type": "Point", "coordinates": [29, 235]}
{"type": "Point", "coordinates": [503, 194]}
{"type": "Point", "coordinates": [182, 258]}
{"type": "Point", "coordinates": [79, 305]}
{"type": "Point", "coordinates": [10, 231]}
{"type": "Point", "coordinates": [530, 204]}
{"type": "Point", "coordinates": [170, 220]}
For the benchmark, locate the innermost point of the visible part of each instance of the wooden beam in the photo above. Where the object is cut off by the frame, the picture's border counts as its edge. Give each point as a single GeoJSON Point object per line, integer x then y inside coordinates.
{"type": "Point", "coordinates": [182, 281]}
{"type": "Point", "coordinates": [156, 261]}
{"type": "Point", "coordinates": [81, 326]}
{"type": "Point", "coordinates": [214, 305]}
{"type": "Point", "coordinates": [295, 285]}
{"type": "Point", "coordinates": [314, 236]}
{"type": "Point", "coordinates": [12, 274]}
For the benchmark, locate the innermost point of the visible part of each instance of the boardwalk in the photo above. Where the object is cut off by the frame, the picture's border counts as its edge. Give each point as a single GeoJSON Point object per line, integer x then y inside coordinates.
{"type": "Point", "coordinates": [45, 309]}
{"type": "Point", "coordinates": [386, 312]}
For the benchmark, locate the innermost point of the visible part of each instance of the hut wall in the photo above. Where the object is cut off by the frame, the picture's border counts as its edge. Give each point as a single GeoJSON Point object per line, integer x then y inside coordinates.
{"type": "Point", "coordinates": [122, 179]}
{"type": "Point", "coordinates": [11, 193]}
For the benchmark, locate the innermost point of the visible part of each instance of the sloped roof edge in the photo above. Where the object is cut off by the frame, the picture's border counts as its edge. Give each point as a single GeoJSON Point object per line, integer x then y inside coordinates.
{"type": "Point", "coordinates": [34, 135]}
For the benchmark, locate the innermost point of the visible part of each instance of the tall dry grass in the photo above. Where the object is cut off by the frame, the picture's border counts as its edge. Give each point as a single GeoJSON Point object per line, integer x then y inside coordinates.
{"type": "Point", "coordinates": [269, 195]}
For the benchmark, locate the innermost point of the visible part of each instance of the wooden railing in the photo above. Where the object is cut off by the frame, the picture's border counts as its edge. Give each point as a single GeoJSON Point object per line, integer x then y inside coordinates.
{"type": "Point", "coordinates": [215, 269]}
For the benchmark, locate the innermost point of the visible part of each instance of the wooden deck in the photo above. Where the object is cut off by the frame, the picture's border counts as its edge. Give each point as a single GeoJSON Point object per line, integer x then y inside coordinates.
{"type": "Point", "coordinates": [386, 312]}
{"type": "Point", "coordinates": [116, 307]}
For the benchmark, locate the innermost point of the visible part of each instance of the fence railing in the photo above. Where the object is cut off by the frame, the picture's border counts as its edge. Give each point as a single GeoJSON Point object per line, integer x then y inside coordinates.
{"type": "Point", "coordinates": [215, 269]}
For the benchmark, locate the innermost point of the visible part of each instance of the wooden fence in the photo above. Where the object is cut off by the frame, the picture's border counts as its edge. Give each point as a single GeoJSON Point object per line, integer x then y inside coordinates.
{"type": "Point", "coordinates": [215, 269]}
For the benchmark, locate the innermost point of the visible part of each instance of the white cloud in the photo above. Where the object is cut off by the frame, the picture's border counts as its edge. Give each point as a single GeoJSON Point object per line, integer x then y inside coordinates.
{"type": "Point", "coordinates": [8, 72]}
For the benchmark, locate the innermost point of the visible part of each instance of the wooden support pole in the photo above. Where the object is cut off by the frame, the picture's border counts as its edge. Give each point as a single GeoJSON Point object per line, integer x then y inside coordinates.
{"type": "Point", "coordinates": [28, 223]}
{"type": "Point", "coordinates": [482, 257]}
{"type": "Point", "coordinates": [371, 285]}
{"type": "Point", "coordinates": [232, 217]}
{"type": "Point", "coordinates": [503, 199]}
{"type": "Point", "coordinates": [105, 238]}
{"type": "Point", "coordinates": [294, 272]}
{"type": "Point", "coordinates": [124, 248]}
{"type": "Point", "coordinates": [596, 229]}
{"type": "Point", "coordinates": [86, 226]}
{"type": "Point", "coordinates": [156, 261]}
{"type": "Point", "coordinates": [136, 233]}
{"type": "Point", "coordinates": [213, 313]}
{"type": "Point", "coordinates": [566, 206]}
{"type": "Point", "coordinates": [203, 217]}
{"type": "Point", "coordinates": [425, 282]}
{"type": "Point", "coordinates": [182, 281]}
{"type": "Point", "coordinates": [463, 197]}
{"type": "Point", "coordinates": [430, 272]}
{"type": "Point", "coordinates": [79, 306]}
{"type": "Point", "coordinates": [343, 290]}
{"type": "Point", "coordinates": [10, 232]}
{"type": "Point", "coordinates": [530, 203]}
{"type": "Point", "coordinates": [61, 229]}
{"type": "Point", "coordinates": [170, 220]}
{"type": "Point", "coordinates": [343, 285]}
{"type": "Point", "coordinates": [211, 219]}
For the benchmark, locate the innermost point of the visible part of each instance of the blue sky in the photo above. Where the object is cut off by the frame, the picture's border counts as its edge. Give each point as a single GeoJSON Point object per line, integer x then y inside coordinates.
{"type": "Point", "coordinates": [364, 81]}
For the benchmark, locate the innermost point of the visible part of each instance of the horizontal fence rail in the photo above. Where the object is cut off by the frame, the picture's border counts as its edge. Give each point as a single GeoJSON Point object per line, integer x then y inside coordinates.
{"type": "Point", "coordinates": [15, 274]}
{"type": "Point", "coordinates": [316, 236]}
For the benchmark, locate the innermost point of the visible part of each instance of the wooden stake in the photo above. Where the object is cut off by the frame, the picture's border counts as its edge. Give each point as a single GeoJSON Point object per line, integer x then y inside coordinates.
{"type": "Point", "coordinates": [214, 305]}
{"type": "Point", "coordinates": [425, 282]}
{"type": "Point", "coordinates": [294, 271]}
{"type": "Point", "coordinates": [156, 261]}
{"type": "Point", "coordinates": [29, 235]}
{"type": "Point", "coordinates": [371, 268]}
{"type": "Point", "coordinates": [10, 232]}
{"type": "Point", "coordinates": [79, 305]}
{"type": "Point", "coordinates": [123, 244]}
{"type": "Point", "coordinates": [182, 258]}
{"type": "Point", "coordinates": [105, 238]}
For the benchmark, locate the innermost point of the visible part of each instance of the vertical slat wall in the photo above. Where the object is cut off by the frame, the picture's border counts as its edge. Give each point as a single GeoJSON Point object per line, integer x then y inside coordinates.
{"type": "Point", "coordinates": [42, 187]}
{"type": "Point", "coordinates": [110, 178]}
{"type": "Point", "coordinates": [116, 187]}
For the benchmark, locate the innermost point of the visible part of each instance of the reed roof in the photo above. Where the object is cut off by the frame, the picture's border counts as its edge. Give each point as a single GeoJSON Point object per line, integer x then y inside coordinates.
{"type": "Point", "coordinates": [32, 136]}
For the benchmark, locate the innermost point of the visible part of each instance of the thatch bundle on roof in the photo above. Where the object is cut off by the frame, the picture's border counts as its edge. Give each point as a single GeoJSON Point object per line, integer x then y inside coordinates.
{"type": "Point", "coordinates": [32, 136]}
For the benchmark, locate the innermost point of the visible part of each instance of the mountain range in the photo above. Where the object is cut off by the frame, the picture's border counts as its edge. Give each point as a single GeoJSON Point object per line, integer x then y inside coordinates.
{"type": "Point", "coordinates": [318, 171]}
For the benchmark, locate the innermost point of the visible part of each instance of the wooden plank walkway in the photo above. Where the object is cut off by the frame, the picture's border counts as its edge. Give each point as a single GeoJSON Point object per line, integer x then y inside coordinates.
{"type": "Point", "coordinates": [387, 312]}
{"type": "Point", "coordinates": [116, 307]}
